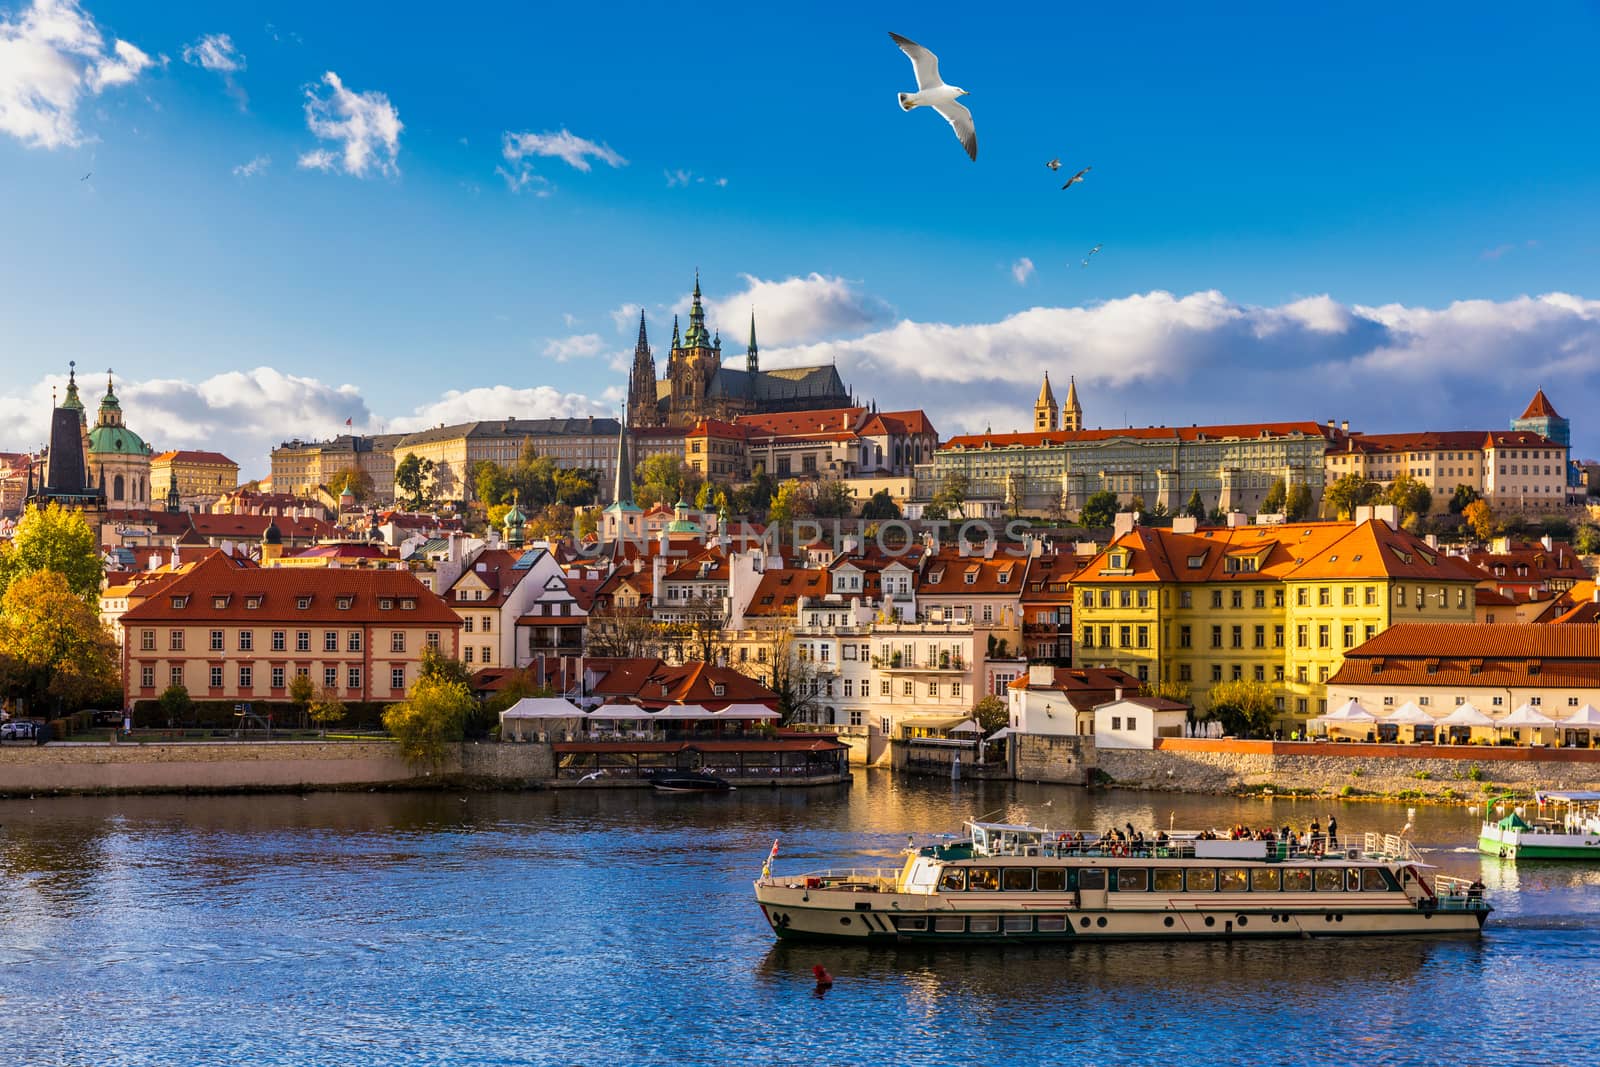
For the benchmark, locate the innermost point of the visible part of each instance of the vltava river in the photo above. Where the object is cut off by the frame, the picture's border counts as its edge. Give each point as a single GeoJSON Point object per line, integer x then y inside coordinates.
{"type": "Point", "coordinates": [606, 927]}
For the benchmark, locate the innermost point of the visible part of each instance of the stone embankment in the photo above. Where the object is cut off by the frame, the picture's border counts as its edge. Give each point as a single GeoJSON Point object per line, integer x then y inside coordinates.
{"type": "Point", "coordinates": [1442, 772]}
{"type": "Point", "coordinates": [259, 766]}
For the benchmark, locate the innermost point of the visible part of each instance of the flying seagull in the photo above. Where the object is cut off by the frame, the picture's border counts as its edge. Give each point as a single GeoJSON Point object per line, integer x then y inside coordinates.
{"type": "Point", "coordinates": [936, 94]}
{"type": "Point", "coordinates": [85, 177]}
{"type": "Point", "coordinates": [1092, 251]}
{"type": "Point", "coordinates": [1076, 178]}
{"type": "Point", "coordinates": [1054, 164]}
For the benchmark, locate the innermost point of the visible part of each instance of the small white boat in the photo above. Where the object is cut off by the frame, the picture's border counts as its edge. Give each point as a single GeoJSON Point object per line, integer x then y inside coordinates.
{"type": "Point", "coordinates": [1027, 883]}
{"type": "Point", "coordinates": [1565, 827]}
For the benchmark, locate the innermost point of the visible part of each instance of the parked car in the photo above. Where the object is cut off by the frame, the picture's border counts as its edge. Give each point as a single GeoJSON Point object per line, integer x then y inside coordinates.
{"type": "Point", "coordinates": [25, 731]}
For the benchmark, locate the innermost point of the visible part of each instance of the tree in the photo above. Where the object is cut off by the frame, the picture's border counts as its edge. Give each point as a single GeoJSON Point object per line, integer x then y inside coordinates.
{"type": "Point", "coordinates": [411, 477]}
{"type": "Point", "coordinates": [490, 483]}
{"type": "Point", "coordinates": [952, 495]}
{"type": "Point", "coordinates": [788, 505]}
{"type": "Point", "coordinates": [54, 538]}
{"type": "Point", "coordinates": [1480, 516]}
{"type": "Point", "coordinates": [700, 635]}
{"type": "Point", "coordinates": [1277, 498]}
{"type": "Point", "coordinates": [1100, 509]}
{"type": "Point", "coordinates": [793, 680]}
{"type": "Point", "coordinates": [550, 524]}
{"type": "Point", "coordinates": [576, 487]}
{"type": "Point", "coordinates": [438, 667]}
{"type": "Point", "coordinates": [1167, 690]}
{"type": "Point", "coordinates": [1409, 495]}
{"type": "Point", "coordinates": [661, 479]}
{"type": "Point", "coordinates": [1463, 496]}
{"type": "Point", "coordinates": [175, 704]}
{"type": "Point", "coordinates": [1245, 708]}
{"type": "Point", "coordinates": [432, 717]}
{"type": "Point", "coordinates": [1586, 539]}
{"type": "Point", "coordinates": [621, 632]}
{"type": "Point", "coordinates": [991, 713]}
{"type": "Point", "coordinates": [326, 709]}
{"type": "Point", "coordinates": [1160, 514]}
{"type": "Point", "coordinates": [53, 647]}
{"type": "Point", "coordinates": [1348, 493]}
{"type": "Point", "coordinates": [1298, 506]}
{"type": "Point", "coordinates": [1196, 507]}
{"type": "Point", "coordinates": [300, 692]}
{"type": "Point", "coordinates": [829, 500]}
{"type": "Point", "coordinates": [880, 506]}
{"type": "Point", "coordinates": [358, 481]}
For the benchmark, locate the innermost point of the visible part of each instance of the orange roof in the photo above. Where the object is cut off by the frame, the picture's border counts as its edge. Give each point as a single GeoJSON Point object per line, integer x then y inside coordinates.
{"type": "Point", "coordinates": [217, 589]}
{"type": "Point", "coordinates": [1540, 407]}
{"type": "Point", "coordinates": [652, 683]}
{"type": "Point", "coordinates": [972, 576]}
{"type": "Point", "coordinates": [189, 456]}
{"type": "Point", "coordinates": [794, 423]}
{"type": "Point", "coordinates": [779, 591]}
{"type": "Point", "coordinates": [1507, 641]}
{"type": "Point", "coordinates": [1242, 431]}
{"type": "Point", "coordinates": [718, 428]}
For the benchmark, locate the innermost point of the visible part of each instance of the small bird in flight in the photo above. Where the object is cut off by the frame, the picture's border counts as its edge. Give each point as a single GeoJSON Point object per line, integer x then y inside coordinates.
{"type": "Point", "coordinates": [85, 177]}
{"type": "Point", "coordinates": [1092, 251]}
{"type": "Point", "coordinates": [1054, 164]}
{"type": "Point", "coordinates": [1076, 178]}
{"type": "Point", "coordinates": [932, 92]}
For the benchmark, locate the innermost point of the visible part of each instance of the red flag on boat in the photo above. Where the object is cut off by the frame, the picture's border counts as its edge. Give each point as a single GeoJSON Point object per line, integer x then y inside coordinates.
{"type": "Point", "coordinates": [766, 868]}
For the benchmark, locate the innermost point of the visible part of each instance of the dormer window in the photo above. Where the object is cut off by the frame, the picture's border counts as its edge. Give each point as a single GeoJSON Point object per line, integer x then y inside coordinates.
{"type": "Point", "coordinates": [179, 602]}
{"type": "Point", "coordinates": [219, 602]}
{"type": "Point", "coordinates": [343, 603]}
{"type": "Point", "coordinates": [252, 603]}
{"type": "Point", "coordinates": [302, 602]}
{"type": "Point", "coordinates": [718, 689]}
{"type": "Point", "coordinates": [385, 603]}
{"type": "Point", "coordinates": [408, 604]}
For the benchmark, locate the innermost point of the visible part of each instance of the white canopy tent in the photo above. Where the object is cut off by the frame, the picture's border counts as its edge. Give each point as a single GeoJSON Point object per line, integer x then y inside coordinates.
{"type": "Point", "coordinates": [681, 712]}
{"type": "Point", "coordinates": [532, 715]}
{"type": "Point", "coordinates": [1408, 714]}
{"type": "Point", "coordinates": [1351, 712]}
{"type": "Point", "coordinates": [1526, 715]}
{"type": "Point", "coordinates": [1466, 715]}
{"type": "Point", "coordinates": [1588, 715]}
{"type": "Point", "coordinates": [748, 711]}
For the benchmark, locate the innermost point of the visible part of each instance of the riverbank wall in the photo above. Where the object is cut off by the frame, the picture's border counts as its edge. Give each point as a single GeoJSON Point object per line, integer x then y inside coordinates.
{"type": "Point", "coordinates": [1438, 772]}
{"type": "Point", "coordinates": [256, 766]}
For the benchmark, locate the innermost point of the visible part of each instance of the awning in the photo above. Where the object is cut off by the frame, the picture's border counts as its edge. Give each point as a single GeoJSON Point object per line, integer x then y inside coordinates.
{"type": "Point", "coordinates": [968, 727]}
{"type": "Point", "coordinates": [542, 708]}
{"type": "Point", "coordinates": [1004, 731]}
{"type": "Point", "coordinates": [932, 722]}
{"type": "Point", "coordinates": [682, 711]}
{"type": "Point", "coordinates": [747, 711]}
{"type": "Point", "coordinates": [1466, 715]}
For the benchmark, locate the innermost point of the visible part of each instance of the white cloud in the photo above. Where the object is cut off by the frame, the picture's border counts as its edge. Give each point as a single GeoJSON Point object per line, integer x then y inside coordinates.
{"type": "Point", "coordinates": [523, 177]}
{"type": "Point", "coordinates": [1022, 270]}
{"type": "Point", "coordinates": [575, 150]}
{"type": "Point", "coordinates": [569, 319]}
{"type": "Point", "coordinates": [214, 52]}
{"type": "Point", "coordinates": [256, 166]}
{"type": "Point", "coordinates": [52, 55]}
{"type": "Point", "coordinates": [626, 317]}
{"type": "Point", "coordinates": [366, 124]}
{"type": "Point", "coordinates": [679, 177]}
{"type": "Point", "coordinates": [578, 346]}
{"type": "Point", "coordinates": [498, 402]}
{"type": "Point", "coordinates": [795, 310]}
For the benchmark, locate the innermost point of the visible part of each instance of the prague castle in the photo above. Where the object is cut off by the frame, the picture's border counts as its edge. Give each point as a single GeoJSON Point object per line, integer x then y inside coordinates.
{"type": "Point", "coordinates": [697, 386]}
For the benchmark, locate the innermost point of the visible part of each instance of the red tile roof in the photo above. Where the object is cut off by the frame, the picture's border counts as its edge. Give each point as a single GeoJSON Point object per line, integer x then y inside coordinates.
{"type": "Point", "coordinates": [652, 683]}
{"type": "Point", "coordinates": [1412, 655]}
{"type": "Point", "coordinates": [1519, 641]}
{"type": "Point", "coordinates": [778, 592]}
{"type": "Point", "coordinates": [1249, 430]}
{"type": "Point", "coordinates": [1540, 407]}
{"type": "Point", "coordinates": [280, 589]}
{"type": "Point", "coordinates": [192, 456]}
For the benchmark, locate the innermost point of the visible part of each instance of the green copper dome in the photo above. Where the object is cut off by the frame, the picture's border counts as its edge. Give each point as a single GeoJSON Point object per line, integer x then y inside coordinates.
{"type": "Point", "coordinates": [116, 441]}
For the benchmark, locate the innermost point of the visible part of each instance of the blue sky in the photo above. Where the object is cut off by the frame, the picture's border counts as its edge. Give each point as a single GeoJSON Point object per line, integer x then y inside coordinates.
{"type": "Point", "coordinates": [1390, 217]}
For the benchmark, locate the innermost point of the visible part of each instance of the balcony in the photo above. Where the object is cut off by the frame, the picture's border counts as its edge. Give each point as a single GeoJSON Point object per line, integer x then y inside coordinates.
{"type": "Point", "coordinates": [902, 663]}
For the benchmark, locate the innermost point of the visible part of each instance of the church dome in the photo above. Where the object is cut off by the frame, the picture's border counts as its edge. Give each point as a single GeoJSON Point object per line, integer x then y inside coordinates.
{"type": "Point", "coordinates": [272, 535]}
{"type": "Point", "coordinates": [116, 441]}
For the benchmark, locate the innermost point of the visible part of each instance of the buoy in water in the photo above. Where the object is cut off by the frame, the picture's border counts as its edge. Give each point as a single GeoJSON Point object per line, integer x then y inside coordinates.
{"type": "Point", "coordinates": [824, 979]}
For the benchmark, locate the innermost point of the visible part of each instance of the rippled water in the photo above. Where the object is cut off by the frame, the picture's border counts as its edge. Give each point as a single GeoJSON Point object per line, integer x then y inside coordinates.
{"type": "Point", "coordinates": [618, 927]}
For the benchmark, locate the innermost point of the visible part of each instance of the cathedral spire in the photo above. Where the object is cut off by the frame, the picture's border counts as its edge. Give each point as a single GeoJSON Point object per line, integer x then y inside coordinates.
{"type": "Point", "coordinates": [696, 336]}
{"type": "Point", "coordinates": [622, 490]}
{"type": "Point", "coordinates": [642, 381]}
{"type": "Point", "coordinates": [752, 360]}
{"type": "Point", "coordinates": [675, 331]}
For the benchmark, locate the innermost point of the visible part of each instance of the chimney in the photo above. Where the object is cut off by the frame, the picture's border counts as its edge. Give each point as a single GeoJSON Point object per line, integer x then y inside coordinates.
{"type": "Point", "coordinates": [1185, 524]}
{"type": "Point", "coordinates": [1387, 514]}
{"type": "Point", "coordinates": [1040, 675]}
{"type": "Point", "coordinates": [1344, 426]}
{"type": "Point", "coordinates": [1122, 525]}
{"type": "Point", "coordinates": [1237, 519]}
{"type": "Point", "coordinates": [1547, 543]}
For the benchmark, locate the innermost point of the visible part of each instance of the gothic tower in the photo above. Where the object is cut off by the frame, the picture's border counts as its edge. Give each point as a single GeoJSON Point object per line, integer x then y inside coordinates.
{"type": "Point", "coordinates": [1072, 411]}
{"type": "Point", "coordinates": [642, 409]}
{"type": "Point", "coordinates": [1046, 416]}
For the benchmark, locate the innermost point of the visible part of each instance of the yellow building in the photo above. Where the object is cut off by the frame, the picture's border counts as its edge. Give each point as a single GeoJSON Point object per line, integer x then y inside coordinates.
{"type": "Point", "coordinates": [200, 477]}
{"type": "Point", "coordinates": [1278, 605]}
{"type": "Point", "coordinates": [584, 444]}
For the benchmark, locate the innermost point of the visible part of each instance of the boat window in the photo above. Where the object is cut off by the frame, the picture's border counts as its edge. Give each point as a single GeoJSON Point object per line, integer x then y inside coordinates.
{"type": "Point", "coordinates": [1019, 924]}
{"type": "Point", "coordinates": [1017, 879]}
{"type": "Point", "coordinates": [985, 879]}
{"type": "Point", "coordinates": [983, 924]}
{"type": "Point", "coordinates": [1133, 879]}
{"type": "Point", "coordinates": [1092, 878]}
{"type": "Point", "coordinates": [1265, 881]}
{"type": "Point", "coordinates": [911, 922]}
{"type": "Point", "coordinates": [1329, 879]}
{"type": "Point", "coordinates": [1373, 881]}
{"type": "Point", "coordinates": [1234, 879]}
{"type": "Point", "coordinates": [949, 925]}
{"type": "Point", "coordinates": [1352, 880]}
{"type": "Point", "coordinates": [1052, 924]}
{"type": "Point", "coordinates": [1200, 880]}
{"type": "Point", "coordinates": [1297, 880]}
{"type": "Point", "coordinates": [1050, 879]}
{"type": "Point", "coordinates": [954, 880]}
{"type": "Point", "coordinates": [1169, 879]}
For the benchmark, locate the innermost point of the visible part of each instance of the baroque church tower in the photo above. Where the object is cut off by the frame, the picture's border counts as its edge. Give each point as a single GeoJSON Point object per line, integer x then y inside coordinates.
{"type": "Point", "coordinates": [1046, 416]}
{"type": "Point", "coordinates": [1072, 411]}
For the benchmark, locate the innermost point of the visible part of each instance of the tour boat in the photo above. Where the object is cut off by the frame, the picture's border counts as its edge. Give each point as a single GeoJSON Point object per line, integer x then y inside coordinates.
{"type": "Point", "coordinates": [699, 782]}
{"type": "Point", "coordinates": [1571, 830]}
{"type": "Point", "coordinates": [1027, 883]}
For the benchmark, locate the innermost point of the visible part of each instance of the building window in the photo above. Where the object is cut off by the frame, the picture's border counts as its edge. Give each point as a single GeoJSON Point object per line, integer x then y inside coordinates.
{"type": "Point", "coordinates": [1324, 596]}
{"type": "Point", "coordinates": [1236, 672]}
{"type": "Point", "coordinates": [1184, 672]}
{"type": "Point", "coordinates": [1302, 675]}
{"type": "Point", "coordinates": [397, 641]}
{"type": "Point", "coordinates": [486, 622]}
{"type": "Point", "coordinates": [353, 677]}
{"type": "Point", "coordinates": [1322, 635]}
{"type": "Point", "coordinates": [302, 640]}
{"type": "Point", "coordinates": [353, 641]}
{"type": "Point", "coordinates": [1301, 640]}
{"type": "Point", "coordinates": [175, 676]}
{"type": "Point", "coordinates": [933, 689]}
{"type": "Point", "coordinates": [1349, 596]}
{"type": "Point", "coordinates": [216, 640]}
{"type": "Point", "coordinates": [1349, 636]}
{"type": "Point", "coordinates": [1125, 636]}
{"type": "Point", "coordinates": [1216, 672]}
{"type": "Point", "coordinates": [1259, 634]}
{"type": "Point", "coordinates": [1216, 637]}
{"type": "Point", "coordinates": [1237, 598]}
{"type": "Point", "coordinates": [147, 677]}
{"type": "Point", "coordinates": [466, 654]}
{"type": "Point", "coordinates": [1142, 636]}
{"type": "Point", "coordinates": [247, 641]}
{"type": "Point", "coordinates": [246, 676]}
{"type": "Point", "coordinates": [1184, 637]}
{"type": "Point", "coordinates": [1237, 637]}
{"type": "Point", "coordinates": [216, 677]}
{"type": "Point", "coordinates": [397, 677]}
{"type": "Point", "coordinates": [955, 690]}
{"type": "Point", "coordinates": [330, 677]}
{"type": "Point", "coordinates": [1088, 637]}
{"type": "Point", "coordinates": [330, 640]}
{"type": "Point", "coordinates": [277, 677]}
{"type": "Point", "coordinates": [883, 688]}
{"type": "Point", "coordinates": [1260, 673]}
{"type": "Point", "coordinates": [1277, 636]}
{"type": "Point", "coordinates": [1185, 598]}
{"type": "Point", "coordinates": [483, 654]}
{"type": "Point", "coordinates": [1277, 598]}
{"type": "Point", "coordinates": [279, 640]}
{"type": "Point", "coordinates": [1302, 597]}
{"type": "Point", "coordinates": [147, 640]}
{"type": "Point", "coordinates": [466, 620]}
{"type": "Point", "coordinates": [905, 689]}
{"type": "Point", "coordinates": [1216, 598]}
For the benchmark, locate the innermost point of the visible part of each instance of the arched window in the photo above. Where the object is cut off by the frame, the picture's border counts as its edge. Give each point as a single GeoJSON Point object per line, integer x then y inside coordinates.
{"type": "Point", "coordinates": [116, 488]}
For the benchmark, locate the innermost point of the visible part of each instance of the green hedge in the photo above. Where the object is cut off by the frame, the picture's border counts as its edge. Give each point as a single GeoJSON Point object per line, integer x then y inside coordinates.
{"type": "Point", "coordinates": [219, 714]}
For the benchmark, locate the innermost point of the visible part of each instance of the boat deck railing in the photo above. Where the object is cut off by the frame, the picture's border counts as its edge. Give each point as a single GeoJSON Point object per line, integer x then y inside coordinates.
{"type": "Point", "coordinates": [847, 880]}
{"type": "Point", "coordinates": [1391, 847]}
{"type": "Point", "coordinates": [1458, 894]}
{"type": "Point", "coordinates": [1345, 846]}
